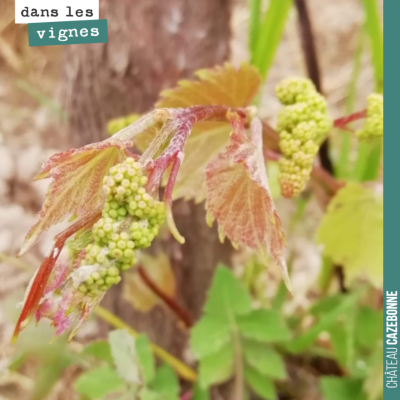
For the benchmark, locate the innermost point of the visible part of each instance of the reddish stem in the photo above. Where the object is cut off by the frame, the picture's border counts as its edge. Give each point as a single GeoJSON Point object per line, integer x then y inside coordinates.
{"type": "Point", "coordinates": [172, 178]}
{"type": "Point", "coordinates": [169, 301]}
{"type": "Point", "coordinates": [342, 122]}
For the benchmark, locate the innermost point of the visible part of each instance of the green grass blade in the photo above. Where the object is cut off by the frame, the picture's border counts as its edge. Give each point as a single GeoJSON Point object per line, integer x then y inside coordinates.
{"type": "Point", "coordinates": [373, 27]}
{"type": "Point", "coordinates": [270, 34]}
{"type": "Point", "coordinates": [254, 24]}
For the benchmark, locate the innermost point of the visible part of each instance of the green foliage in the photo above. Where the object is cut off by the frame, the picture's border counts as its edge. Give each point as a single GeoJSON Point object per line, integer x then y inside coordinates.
{"type": "Point", "coordinates": [99, 349]}
{"type": "Point", "coordinates": [127, 369]}
{"type": "Point", "coordinates": [325, 322]}
{"type": "Point", "coordinates": [98, 382]}
{"type": "Point", "coordinates": [352, 232]}
{"type": "Point", "coordinates": [334, 388]}
{"type": "Point", "coordinates": [231, 333]}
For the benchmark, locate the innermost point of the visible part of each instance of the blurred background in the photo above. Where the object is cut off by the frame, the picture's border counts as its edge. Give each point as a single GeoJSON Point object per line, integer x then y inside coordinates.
{"type": "Point", "coordinates": [56, 97]}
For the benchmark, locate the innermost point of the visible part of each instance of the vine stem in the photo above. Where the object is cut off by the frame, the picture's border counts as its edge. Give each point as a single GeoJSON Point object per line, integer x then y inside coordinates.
{"type": "Point", "coordinates": [184, 371]}
{"type": "Point", "coordinates": [342, 122]}
{"type": "Point", "coordinates": [169, 301]}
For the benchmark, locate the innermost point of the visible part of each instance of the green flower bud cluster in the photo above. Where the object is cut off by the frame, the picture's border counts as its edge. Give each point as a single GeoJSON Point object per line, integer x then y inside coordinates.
{"type": "Point", "coordinates": [131, 219]}
{"type": "Point", "coordinates": [302, 126]}
{"type": "Point", "coordinates": [373, 126]}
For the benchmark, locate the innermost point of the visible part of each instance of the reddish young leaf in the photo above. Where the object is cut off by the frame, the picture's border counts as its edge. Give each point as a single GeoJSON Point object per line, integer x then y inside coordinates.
{"type": "Point", "coordinates": [223, 85]}
{"type": "Point", "coordinates": [56, 265]}
{"type": "Point", "coordinates": [238, 195]}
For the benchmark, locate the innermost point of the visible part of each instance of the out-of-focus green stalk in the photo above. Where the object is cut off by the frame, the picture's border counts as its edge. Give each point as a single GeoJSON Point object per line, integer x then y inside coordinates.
{"type": "Point", "coordinates": [373, 28]}
{"type": "Point", "coordinates": [369, 154]}
{"type": "Point", "coordinates": [254, 24]}
{"type": "Point", "coordinates": [41, 98]}
{"type": "Point", "coordinates": [342, 166]}
{"type": "Point", "coordinates": [269, 36]}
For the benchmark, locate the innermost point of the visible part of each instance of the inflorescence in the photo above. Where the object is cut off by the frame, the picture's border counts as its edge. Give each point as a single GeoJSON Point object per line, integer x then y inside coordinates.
{"type": "Point", "coordinates": [131, 219]}
{"type": "Point", "coordinates": [373, 126]}
{"type": "Point", "coordinates": [302, 126]}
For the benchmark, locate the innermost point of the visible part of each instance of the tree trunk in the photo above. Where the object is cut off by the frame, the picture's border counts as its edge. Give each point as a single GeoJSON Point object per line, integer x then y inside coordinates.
{"type": "Point", "coordinates": [152, 44]}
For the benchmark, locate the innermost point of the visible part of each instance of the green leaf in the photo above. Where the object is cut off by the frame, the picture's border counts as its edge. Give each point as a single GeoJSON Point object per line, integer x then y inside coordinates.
{"type": "Point", "coordinates": [166, 383]}
{"type": "Point", "coordinates": [369, 326]}
{"type": "Point", "coordinates": [264, 326]}
{"type": "Point", "coordinates": [264, 359]}
{"type": "Point", "coordinates": [352, 232]}
{"type": "Point", "coordinates": [227, 296]}
{"type": "Point", "coordinates": [326, 321]}
{"type": "Point", "coordinates": [200, 394]}
{"type": "Point", "coordinates": [96, 383]}
{"type": "Point", "coordinates": [335, 388]}
{"type": "Point", "coordinates": [261, 385]}
{"type": "Point", "coordinates": [145, 357]}
{"type": "Point", "coordinates": [124, 355]}
{"type": "Point", "coordinates": [217, 367]}
{"type": "Point", "coordinates": [99, 349]}
{"type": "Point", "coordinates": [209, 335]}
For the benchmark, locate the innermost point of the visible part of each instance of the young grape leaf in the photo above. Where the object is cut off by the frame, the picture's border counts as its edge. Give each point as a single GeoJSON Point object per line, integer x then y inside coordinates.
{"type": "Point", "coordinates": [264, 326]}
{"type": "Point", "coordinates": [352, 232]}
{"type": "Point", "coordinates": [159, 269]}
{"type": "Point", "coordinates": [98, 382]}
{"type": "Point", "coordinates": [124, 355]}
{"type": "Point", "coordinates": [260, 384]}
{"type": "Point", "coordinates": [217, 332]}
{"type": "Point", "coordinates": [221, 85]}
{"type": "Point", "coordinates": [217, 367]}
{"type": "Point", "coordinates": [335, 388]}
{"type": "Point", "coordinates": [145, 358]}
{"type": "Point", "coordinates": [264, 360]}
{"type": "Point", "coordinates": [238, 195]}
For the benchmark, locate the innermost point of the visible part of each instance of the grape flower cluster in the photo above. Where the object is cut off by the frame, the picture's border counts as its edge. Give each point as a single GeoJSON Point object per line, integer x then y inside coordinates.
{"type": "Point", "coordinates": [302, 126]}
{"type": "Point", "coordinates": [373, 126]}
{"type": "Point", "coordinates": [130, 220]}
